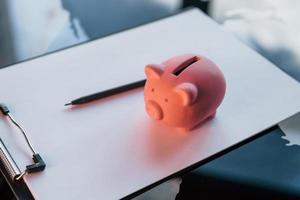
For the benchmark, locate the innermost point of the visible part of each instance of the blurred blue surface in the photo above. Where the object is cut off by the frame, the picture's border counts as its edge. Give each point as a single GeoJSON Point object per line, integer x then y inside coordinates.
{"type": "Point", "coordinates": [264, 169]}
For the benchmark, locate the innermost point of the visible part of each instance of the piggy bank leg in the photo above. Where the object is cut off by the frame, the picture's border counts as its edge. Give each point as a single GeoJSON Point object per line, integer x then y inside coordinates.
{"type": "Point", "coordinates": [187, 129]}
{"type": "Point", "coordinates": [183, 129]}
{"type": "Point", "coordinates": [213, 115]}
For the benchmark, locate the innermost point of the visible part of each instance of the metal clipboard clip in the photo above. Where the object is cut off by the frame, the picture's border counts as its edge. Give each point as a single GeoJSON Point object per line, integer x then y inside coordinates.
{"type": "Point", "coordinates": [7, 160]}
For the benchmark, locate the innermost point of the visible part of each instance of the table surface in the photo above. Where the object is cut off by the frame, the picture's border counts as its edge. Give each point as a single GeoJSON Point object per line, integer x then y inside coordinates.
{"type": "Point", "coordinates": [86, 157]}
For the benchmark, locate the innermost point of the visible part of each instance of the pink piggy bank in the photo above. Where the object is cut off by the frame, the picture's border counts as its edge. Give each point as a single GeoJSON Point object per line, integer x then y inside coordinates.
{"type": "Point", "coordinates": [183, 91]}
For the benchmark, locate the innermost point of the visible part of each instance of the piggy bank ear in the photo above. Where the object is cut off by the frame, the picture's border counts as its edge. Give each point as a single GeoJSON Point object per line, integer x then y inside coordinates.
{"type": "Point", "coordinates": [153, 71]}
{"type": "Point", "coordinates": [188, 93]}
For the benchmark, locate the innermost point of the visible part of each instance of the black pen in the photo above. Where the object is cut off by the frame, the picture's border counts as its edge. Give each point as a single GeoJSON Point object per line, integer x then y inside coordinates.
{"type": "Point", "coordinates": [106, 93]}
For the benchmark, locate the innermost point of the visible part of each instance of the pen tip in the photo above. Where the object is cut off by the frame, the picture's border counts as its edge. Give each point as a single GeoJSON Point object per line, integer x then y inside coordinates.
{"type": "Point", "coordinates": [67, 104]}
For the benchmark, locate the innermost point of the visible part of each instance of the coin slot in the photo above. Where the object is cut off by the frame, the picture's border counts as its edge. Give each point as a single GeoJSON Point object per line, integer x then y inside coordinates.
{"type": "Point", "coordinates": [185, 65]}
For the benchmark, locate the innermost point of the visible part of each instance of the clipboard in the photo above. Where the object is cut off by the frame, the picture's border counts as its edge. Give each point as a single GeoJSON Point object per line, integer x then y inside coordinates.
{"type": "Point", "coordinates": [110, 148]}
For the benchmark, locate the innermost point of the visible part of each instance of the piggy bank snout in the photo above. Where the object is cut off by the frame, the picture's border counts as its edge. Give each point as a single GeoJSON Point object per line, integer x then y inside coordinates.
{"type": "Point", "coordinates": [154, 110]}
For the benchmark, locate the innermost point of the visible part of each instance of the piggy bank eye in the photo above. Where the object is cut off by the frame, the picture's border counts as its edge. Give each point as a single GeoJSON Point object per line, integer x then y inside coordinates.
{"type": "Point", "coordinates": [152, 90]}
{"type": "Point", "coordinates": [166, 100]}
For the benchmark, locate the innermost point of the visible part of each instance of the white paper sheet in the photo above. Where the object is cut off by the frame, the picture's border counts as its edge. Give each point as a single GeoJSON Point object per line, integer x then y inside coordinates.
{"type": "Point", "coordinates": [110, 148]}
